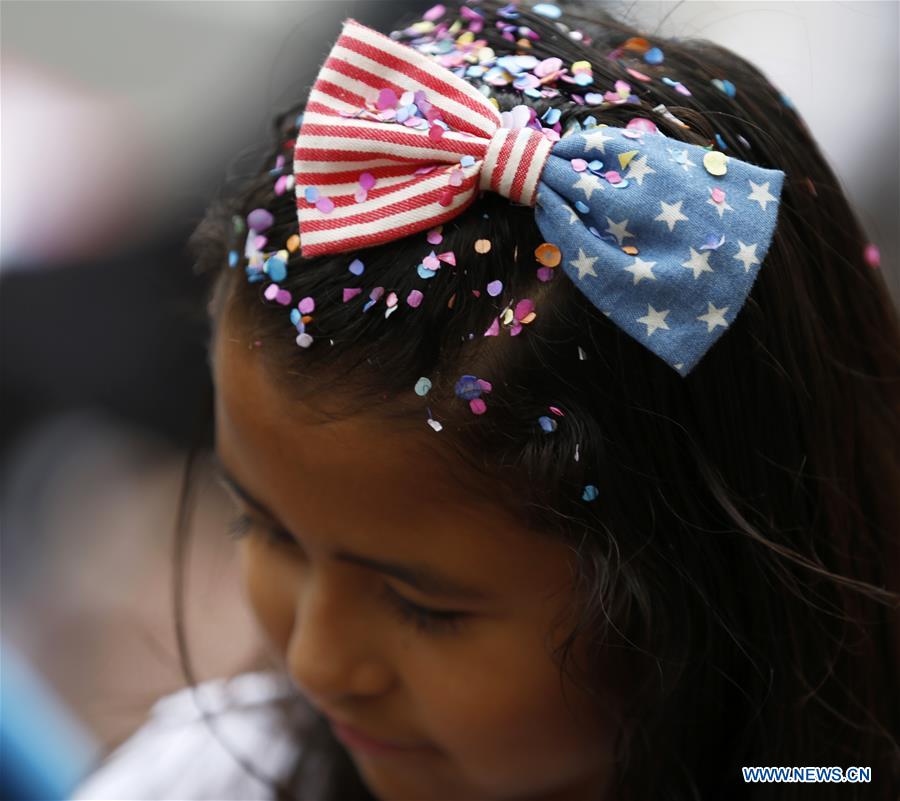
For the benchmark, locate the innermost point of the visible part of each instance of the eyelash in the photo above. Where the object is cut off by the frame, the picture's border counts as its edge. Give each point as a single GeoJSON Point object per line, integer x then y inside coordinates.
{"type": "Point", "coordinates": [428, 621]}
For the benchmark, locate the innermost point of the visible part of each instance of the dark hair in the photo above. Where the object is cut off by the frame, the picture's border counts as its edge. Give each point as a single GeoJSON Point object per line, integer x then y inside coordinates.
{"type": "Point", "coordinates": [741, 557]}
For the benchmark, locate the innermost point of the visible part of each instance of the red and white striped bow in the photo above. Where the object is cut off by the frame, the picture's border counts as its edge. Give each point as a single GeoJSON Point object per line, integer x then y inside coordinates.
{"type": "Point", "coordinates": [419, 180]}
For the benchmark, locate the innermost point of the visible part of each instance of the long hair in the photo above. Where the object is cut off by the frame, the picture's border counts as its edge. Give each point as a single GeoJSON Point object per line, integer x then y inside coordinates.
{"type": "Point", "coordinates": [741, 557]}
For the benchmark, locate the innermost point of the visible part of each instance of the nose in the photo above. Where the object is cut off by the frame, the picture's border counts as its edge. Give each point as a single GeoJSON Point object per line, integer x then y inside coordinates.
{"type": "Point", "coordinates": [334, 653]}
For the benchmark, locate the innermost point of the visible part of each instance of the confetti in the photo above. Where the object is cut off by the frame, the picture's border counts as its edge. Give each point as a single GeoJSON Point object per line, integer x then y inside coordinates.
{"type": "Point", "coordinates": [325, 205]}
{"type": "Point", "coordinates": [872, 255]}
{"type": "Point", "coordinates": [641, 124]}
{"type": "Point", "coordinates": [293, 243]}
{"type": "Point", "coordinates": [494, 288]}
{"type": "Point", "coordinates": [260, 220]}
{"type": "Point", "coordinates": [356, 267]}
{"type": "Point", "coordinates": [434, 236]}
{"type": "Point", "coordinates": [590, 493]}
{"type": "Point", "coordinates": [548, 254]}
{"type": "Point", "coordinates": [715, 162]}
{"type": "Point", "coordinates": [724, 86]}
{"type": "Point", "coordinates": [654, 56]}
{"type": "Point", "coordinates": [548, 10]}
{"type": "Point", "coordinates": [482, 246]}
{"type": "Point", "coordinates": [423, 385]}
{"type": "Point", "coordinates": [414, 298]}
{"type": "Point", "coordinates": [548, 424]}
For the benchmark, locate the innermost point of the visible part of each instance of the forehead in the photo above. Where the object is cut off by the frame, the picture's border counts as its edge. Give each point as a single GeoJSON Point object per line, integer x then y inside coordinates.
{"type": "Point", "coordinates": [360, 485]}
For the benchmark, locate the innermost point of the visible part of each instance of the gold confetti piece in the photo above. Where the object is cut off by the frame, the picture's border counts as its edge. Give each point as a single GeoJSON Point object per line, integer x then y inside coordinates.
{"type": "Point", "coordinates": [631, 250]}
{"type": "Point", "coordinates": [625, 158]}
{"type": "Point", "coordinates": [716, 162]}
{"type": "Point", "coordinates": [548, 254]}
{"type": "Point", "coordinates": [293, 243]}
{"type": "Point", "coordinates": [528, 318]}
{"type": "Point", "coordinates": [482, 245]}
{"type": "Point", "coordinates": [451, 301]}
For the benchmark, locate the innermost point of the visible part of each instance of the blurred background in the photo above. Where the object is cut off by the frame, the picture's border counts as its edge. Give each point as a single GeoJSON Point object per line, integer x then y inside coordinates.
{"type": "Point", "coordinates": [119, 122]}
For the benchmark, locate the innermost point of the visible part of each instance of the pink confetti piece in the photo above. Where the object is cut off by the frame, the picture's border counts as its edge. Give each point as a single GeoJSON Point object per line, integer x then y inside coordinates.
{"type": "Point", "coordinates": [448, 257]}
{"type": "Point", "coordinates": [271, 292]}
{"type": "Point", "coordinates": [367, 181]}
{"type": "Point", "coordinates": [612, 176]}
{"type": "Point", "coordinates": [325, 205]}
{"type": "Point", "coordinates": [283, 297]}
{"type": "Point", "coordinates": [494, 288]}
{"type": "Point", "coordinates": [387, 98]}
{"type": "Point", "coordinates": [641, 124]}
{"type": "Point", "coordinates": [557, 411]}
{"type": "Point", "coordinates": [259, 242]}
{"type": "Point", "coordinates": [307, 305]}
{"type": "Point", "coordinates": [349, 294]}
{"type": "Point", "coordinates": [360, 195]}
{"type": "Point", "coordinates": [872, 255]}
{"type": "Point", "coordinates": [414, 298]}
{"type": "Point", "coordinates": [524, 308]}
{"type": "Point", "coordinates": [636, 74]}
{"type": "Point", "coordinates": [435, 133]}
{"type": "Point", "coordinates": [434, 237]}
{"type": "Point", "coordinates": [718, 195]}
{"type": "Point", "coordinates": [456, 177]}
{"type": "Point", "coordinates": [478, 406]}
{"type": "Point", "coordinates": [579, 165]}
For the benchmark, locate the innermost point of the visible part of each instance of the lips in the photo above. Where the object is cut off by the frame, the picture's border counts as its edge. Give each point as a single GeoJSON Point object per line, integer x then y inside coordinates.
{"type": "Point", "coordinates": [355, 736]}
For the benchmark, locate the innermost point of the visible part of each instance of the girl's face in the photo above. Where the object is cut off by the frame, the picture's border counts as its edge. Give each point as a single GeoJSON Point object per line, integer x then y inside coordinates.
{"type": "Point", "coordinates": [477, 694]}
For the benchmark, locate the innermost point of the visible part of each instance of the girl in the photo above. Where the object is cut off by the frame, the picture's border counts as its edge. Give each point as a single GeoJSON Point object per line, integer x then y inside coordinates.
{"type": "Point", "coordinates": [499, 548]}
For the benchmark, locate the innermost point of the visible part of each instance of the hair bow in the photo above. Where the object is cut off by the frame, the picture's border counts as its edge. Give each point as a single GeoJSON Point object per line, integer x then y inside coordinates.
{"type": "Point", "coordinates": [664, 237]}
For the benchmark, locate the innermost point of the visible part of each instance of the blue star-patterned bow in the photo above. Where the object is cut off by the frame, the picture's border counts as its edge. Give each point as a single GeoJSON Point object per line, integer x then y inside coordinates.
{"type": "Point", "coordinates": [698, 239]}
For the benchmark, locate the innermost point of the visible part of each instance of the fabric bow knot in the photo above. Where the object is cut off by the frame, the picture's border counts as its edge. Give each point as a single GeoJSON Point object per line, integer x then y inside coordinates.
{"type": "Point", "coordinates": [666, 238]}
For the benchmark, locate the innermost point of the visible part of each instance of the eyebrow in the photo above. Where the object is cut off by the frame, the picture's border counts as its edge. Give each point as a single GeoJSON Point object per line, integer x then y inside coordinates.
{"type": "Point", "coordinates": [424, 579]}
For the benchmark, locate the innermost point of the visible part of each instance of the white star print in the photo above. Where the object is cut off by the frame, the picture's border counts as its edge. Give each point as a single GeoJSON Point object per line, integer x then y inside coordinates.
{"type": "Point", "coordinates": [760, 194]}
{"type": "Point", "coordinates": [584, 264]}
{"type": "Point", "coordinates": [713, 317]}
{"type": "Point", "coordinates": [720, 207]}
{"type": "Point", "coordinates": [698, 262]}
{"type": "Point", "coordinates": [573, 215]}
{"type": "Point", "coordinates": [746, 255]}
{"type": "Point", "coordinates": [587, 183]}
{"type": "Point", "coordinates": [618, 229]}
{"type": "Point", "coordinates": [596, 139]}
{"type": "Point", "coordinates": [654, 319]}
{"type": "Point", "coordinates": [641, 269]}
{"type": "Point", "coordinates": [638, 168]}
{"type": "Point", "coordinates": [671, 213]}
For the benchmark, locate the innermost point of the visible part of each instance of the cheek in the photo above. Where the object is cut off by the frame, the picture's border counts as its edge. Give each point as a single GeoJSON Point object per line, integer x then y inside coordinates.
{"type": "Point", "coordinates": [269, 586]}
{"type": "Point", "coordinates": [499, 713]}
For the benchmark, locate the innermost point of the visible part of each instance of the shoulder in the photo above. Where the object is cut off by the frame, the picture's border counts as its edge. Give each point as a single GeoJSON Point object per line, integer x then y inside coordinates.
{"type": "Point", "coordinates": [191, 743]}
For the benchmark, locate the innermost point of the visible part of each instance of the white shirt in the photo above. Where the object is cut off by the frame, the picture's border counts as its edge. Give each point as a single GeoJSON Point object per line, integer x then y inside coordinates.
{"type": "Point", "coordinates": [174, 756]}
